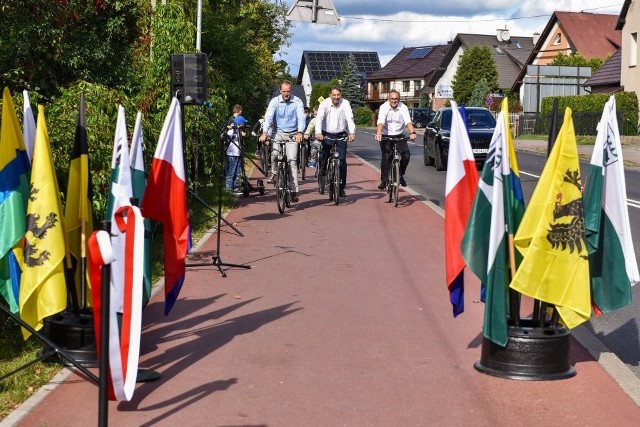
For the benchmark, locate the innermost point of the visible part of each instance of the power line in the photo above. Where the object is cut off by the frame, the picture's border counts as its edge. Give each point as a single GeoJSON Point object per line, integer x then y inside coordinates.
{"type": "Point", "coordinates": [457, 21]}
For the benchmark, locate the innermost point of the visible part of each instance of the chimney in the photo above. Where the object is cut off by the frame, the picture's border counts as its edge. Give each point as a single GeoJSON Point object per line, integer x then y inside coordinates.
{"type": "Point", "coordinates": [536, 37]}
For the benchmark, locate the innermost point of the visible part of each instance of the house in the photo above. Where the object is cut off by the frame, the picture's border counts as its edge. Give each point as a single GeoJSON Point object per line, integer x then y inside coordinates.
{"type": "Point", "coordinates": [592, 35]}
{"type": "Point", "coordinates": [629, 25]}
{"type": "Point", "coordinates": [607, 78]}
{"type": "Point", "coordinates": [324, 66]}
{"type": "Point", "coordinates": [509, 53]}
{"type": "Point", "coordinates": [407, 73]}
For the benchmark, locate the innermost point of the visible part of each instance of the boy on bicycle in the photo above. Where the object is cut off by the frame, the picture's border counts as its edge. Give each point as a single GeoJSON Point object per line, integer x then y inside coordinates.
{"type": "Point", "coordinates": [335, 120]}
{"type": "Point", "coordinates": [393, 117]}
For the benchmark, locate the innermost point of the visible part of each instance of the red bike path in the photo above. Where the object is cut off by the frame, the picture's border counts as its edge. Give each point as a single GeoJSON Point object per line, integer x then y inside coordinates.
{"type": "Point", "coordinates": [342, 320]}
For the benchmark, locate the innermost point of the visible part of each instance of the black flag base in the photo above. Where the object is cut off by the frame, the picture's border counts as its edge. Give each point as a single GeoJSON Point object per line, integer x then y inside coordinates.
{"type": "Point", "coordinates": [75, 333]}
{"type": "Point", "coordinates": [532, 353]}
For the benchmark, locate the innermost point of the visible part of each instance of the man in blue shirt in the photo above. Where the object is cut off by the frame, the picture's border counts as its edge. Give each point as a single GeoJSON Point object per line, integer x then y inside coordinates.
{"type": "Point", "coordinates": [286, 111]}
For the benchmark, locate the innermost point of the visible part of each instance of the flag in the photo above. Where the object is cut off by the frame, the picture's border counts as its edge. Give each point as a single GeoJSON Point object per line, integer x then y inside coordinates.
{"type": "Point", "coordinates": [612, 261]}
{"type": "Point", "coordinates": [139, 183]}
{"type": "Point", "coordinates": [28, 125]}
{"type": "Point", "coordinates": [124, 336]}
{"type": "Point", "coordinates": [42, 287]}
{"type": "Point", "coordinates": [461, 185]}
{"type": "Point", "coordinates": [497, 210]}
{"type": "Point", "coordinates": [119, 196]}
{"type": "Point", "coordinates": [14, 191]}
{"type": "Point", "coordinates": [78, 215]}
{"type": "Point", "coordinates": [551, 236]}
{"type": "Point", "coordinates": [165, 200]}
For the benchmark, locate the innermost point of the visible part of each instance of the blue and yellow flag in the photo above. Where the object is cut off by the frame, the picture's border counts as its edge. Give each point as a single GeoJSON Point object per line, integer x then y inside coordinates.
{"type": "Point", "coordinates": [551, 236]}
{"type": "Point", "coordinates": [43, 287]}
{"type": "Point", "coordinates": [14, 191]}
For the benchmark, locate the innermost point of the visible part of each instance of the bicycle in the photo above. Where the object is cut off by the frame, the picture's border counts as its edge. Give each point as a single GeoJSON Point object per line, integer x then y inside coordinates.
{"type": "Point", "coordinates": [393, 176]}
{"type": "Point", "coordinates": [265, 156]}
{"type": "Point", "coordinates": [332, 172]}
{"type": "Point", "coordinates": [303, 158]}
{"type": "Point", "coordinates": [283, 177]}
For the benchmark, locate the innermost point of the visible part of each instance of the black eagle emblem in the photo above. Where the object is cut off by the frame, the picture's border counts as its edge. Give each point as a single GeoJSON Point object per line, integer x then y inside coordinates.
{"type": "Point", "coordinates": [31, 256]}
{"type": "Point", "coordinates": [568, 235]}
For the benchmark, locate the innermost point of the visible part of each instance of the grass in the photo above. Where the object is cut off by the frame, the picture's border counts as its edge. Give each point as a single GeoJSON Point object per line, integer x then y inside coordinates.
{"type": "Point", "coordinates": [15, 352]}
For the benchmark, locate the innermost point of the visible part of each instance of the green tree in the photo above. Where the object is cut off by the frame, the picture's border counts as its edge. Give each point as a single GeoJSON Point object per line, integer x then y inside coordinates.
{"type": "Point", "coordinates": [350, 83]}
{"type": "Point", "coordinates": [577, 60]}
{"type": "Point", "coordinates": [423, 101]}
{"type": "Point", "coordinates": [479, 94]}
{"type": "Point", "coordinates": [48, 45]}
{"type": "Point", "coordinates": [476, 63]}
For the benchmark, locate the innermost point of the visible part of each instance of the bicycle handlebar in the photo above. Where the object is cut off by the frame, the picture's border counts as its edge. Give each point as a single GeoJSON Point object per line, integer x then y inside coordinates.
{"type": "Point", "coordinates": [394, 138]}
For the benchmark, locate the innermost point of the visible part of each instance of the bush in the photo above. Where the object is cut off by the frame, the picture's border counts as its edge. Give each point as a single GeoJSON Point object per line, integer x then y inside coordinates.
{"type": "Point", "coordinates": [362, 116]}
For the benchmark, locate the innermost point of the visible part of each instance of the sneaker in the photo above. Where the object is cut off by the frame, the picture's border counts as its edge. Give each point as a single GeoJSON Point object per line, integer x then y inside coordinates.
{"type": "Point", "coordinates": [272, 179]}
{"type": "Point", "coordinates": [342, 193]}
{"type": "Point", "coordinates": [294, 197]}
{"type": "Point", "coordinates": [382, 185]}
{"type": "Point", "coordinates": [403, 182]}
{"type": "Point", "coordinates": [312, 164]}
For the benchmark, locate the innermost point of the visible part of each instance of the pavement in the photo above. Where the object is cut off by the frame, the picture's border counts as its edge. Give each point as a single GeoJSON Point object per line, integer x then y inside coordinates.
{"type": "Point", "coordinates": [343, 319]}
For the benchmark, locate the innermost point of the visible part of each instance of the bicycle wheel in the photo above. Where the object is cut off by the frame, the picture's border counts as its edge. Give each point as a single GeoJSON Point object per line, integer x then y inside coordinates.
{"type": "Point", "coordinates": [287, 191]}
{"type": "Point", "coordinates": [395, 182]}
{"type": "Point", "coordinates": [264, 159]}
{"type": "Point", "coordinates": [330, 177]}
{"type": "Point", "coordinates": [281, 189]}
{"type": "Point", "coordinates": [304, 158]}
{"type": "Point", "coordinates": [336, 181]}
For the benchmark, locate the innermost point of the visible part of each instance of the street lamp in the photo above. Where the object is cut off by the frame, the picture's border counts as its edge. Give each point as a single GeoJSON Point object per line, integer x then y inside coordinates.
{"type": "Point", "coordinates": [315, 11]}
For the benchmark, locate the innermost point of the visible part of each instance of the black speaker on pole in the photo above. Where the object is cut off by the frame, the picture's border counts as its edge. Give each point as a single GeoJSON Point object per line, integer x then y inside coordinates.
{"type": "Point", "coordinates": [189, 76]}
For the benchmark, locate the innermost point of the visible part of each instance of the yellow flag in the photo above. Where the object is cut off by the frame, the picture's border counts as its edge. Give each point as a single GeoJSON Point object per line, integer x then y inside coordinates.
{"type": "Point", "coordinates": [42, 286]}
{"type": "Point", "coordinates": [551, 236]}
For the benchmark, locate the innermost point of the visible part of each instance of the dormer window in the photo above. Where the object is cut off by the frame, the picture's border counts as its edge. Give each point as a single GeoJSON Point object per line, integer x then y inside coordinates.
{"type": "Point", "coordinates": [558, 39]}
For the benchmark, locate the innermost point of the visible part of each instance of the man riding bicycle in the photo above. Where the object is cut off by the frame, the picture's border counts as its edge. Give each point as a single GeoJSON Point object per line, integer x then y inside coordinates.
{"type": "Point", "coordinates": [393, 117]}
{"type": "Point", "coordinates": [335, 121]}
{"type": "Point", "coordinates": [287, 112]}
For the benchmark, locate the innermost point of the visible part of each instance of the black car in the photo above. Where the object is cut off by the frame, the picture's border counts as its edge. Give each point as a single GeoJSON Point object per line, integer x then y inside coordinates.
{"type": "Point", "coordinates": [421, 116]}
{"type": "Point", "coordinates": [480, 123]}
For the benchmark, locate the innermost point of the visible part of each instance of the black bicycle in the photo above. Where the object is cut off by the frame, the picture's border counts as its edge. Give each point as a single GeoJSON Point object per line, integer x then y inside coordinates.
{"type": "Point", "coordinates": [332, 172]}
{"type": "Point", "coordinates": [303, 158]}
{"type": "Point", "coordinates": [283, 177]}
{"type": "Point", "coordinates": [393, 176]}
{"type": "Point", "coordinates": [264, 153]}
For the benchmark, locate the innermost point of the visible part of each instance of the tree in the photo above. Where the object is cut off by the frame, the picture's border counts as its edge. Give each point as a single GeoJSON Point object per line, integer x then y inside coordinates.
{"type": "Point", "coordinates": [424, 101]}
{"type": "Point", "coordinates": [321, 90]}
{"type": "Point", "coordinates": [577, 60]}
{"type": "Point", "coordinates": [350, 83]}
{"type": "Point", "coordinates": [475, 64]}
{"type": "Point", "coordinates": [479, 94]}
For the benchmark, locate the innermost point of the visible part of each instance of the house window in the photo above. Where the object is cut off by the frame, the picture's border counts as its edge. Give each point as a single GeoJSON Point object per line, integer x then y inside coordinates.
{"type": "Point", "coordinates": [417, 84]}
{"type": "Point", "coordinates": [386, 86]}
{"type": "Point", "coordinates": [633, 50]}
{"type": "Point", "coordinates": [405, 85]}
{"type": "Point", "coordinates": [558, 39]}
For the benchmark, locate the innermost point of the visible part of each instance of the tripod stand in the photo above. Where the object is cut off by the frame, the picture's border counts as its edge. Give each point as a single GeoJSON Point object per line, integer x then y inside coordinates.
{"type": "Point", "coordinates": [217, 259]}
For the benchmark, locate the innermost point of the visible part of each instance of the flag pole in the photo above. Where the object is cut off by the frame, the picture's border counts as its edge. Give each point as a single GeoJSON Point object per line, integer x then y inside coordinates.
{"type": "Point", "coordinates": [514, 300]}
{"type": "Point", "coordinates": [83, 262]}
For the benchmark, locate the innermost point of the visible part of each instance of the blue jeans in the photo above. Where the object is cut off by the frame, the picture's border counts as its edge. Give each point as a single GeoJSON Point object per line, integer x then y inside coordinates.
{"type": "Point", "coordinates": [232, 173]}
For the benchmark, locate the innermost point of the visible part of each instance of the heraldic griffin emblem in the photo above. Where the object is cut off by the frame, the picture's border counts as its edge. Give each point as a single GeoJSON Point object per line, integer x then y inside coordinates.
{"type": "Point", "coordinates": [39, 230]}
{"type": "Point", "coordinates": [570, 234]}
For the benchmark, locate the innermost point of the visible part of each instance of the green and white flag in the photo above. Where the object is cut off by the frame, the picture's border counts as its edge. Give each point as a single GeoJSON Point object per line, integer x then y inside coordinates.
{"type": "Point", "coordinates": [139, 184]}
{"type": "Point", "coordinates": [612, 262]}
{"type": "Point", "coordinates": [496, 214]}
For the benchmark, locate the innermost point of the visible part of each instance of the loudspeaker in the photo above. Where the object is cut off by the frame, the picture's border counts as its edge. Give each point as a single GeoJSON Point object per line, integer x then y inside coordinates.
{"type": "Point", "coordinates": [189, 76]}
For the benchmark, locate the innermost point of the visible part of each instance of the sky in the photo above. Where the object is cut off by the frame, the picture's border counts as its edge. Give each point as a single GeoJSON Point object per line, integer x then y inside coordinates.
{"type": "Point", "coordinates": [386, 26]}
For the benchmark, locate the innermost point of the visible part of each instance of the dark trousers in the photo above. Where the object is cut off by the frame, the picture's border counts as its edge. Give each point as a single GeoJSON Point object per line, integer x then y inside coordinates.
{"type": "Point", "coordinates": [386, 149]}
{"type": "Point", "coordinates": [342, 156]}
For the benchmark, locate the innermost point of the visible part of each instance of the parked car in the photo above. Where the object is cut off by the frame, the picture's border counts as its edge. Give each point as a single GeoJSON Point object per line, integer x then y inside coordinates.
{"type": "Point", "coordinates": [421, 116]}
{"type": "Point", "coordinates": [480, 123]}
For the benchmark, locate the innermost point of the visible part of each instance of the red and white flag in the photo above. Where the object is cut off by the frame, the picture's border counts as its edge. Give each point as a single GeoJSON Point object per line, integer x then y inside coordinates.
{"type": "Point", "coordinates": [461, 186]}
{"type": "Point", "coordinates": [165, 200]}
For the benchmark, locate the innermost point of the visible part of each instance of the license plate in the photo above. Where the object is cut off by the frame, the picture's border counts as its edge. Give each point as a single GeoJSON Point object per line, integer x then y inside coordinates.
{"type": "Point", "coordinates": [480, 150]}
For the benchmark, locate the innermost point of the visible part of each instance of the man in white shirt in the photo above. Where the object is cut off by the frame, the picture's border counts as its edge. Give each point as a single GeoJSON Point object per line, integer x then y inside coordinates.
{"type": "Point", "coordinates": [393, 117]}
{"type": "Point", "coordinates": [334, 121]}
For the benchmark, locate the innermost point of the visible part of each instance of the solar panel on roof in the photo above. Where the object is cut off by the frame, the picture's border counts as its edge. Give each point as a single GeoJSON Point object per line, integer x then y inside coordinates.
{"type": "Point", "coordinates": [419, 52]}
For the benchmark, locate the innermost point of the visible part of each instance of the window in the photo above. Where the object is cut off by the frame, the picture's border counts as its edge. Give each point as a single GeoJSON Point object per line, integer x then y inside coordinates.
{"type": "Point", "coordinates": [558, 39]}
{"type": "Point", "coordinates": [405, 85]}
{"type": "Point", "coordinates": [633, 50]}
{"type": "Point", "coordinates": [386, 86]}
{"type": "Point", "coordinates": [417, 84]}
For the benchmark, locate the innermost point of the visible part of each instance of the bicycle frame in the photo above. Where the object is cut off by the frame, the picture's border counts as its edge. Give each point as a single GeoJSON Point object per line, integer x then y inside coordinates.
{"type": "Point", "coordinates": [332, 171]}
{"type": "Point", "coordinates": [393, 176]}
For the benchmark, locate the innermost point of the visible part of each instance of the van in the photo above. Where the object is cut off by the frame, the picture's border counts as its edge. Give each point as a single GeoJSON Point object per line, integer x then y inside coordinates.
{"type": "Point", "coordinates": [420, 117]}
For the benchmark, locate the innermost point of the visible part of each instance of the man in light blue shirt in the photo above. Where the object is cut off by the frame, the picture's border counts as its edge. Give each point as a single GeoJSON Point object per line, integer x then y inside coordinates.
{"type": "Point", "coordinates": [286, 111]}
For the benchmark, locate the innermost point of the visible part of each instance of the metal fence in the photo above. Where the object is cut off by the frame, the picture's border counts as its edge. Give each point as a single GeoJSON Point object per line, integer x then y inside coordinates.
{"type": "Point", "coordinates": [584, 123]}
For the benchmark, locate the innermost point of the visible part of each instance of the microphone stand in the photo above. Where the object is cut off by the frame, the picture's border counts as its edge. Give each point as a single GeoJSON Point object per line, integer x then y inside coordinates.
{"type": "Point", "coordinates": [217, 259]}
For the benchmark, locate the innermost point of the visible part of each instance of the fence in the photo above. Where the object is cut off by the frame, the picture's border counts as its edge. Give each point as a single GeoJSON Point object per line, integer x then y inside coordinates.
{"type": "Point", "coordinates": [584, 123]}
